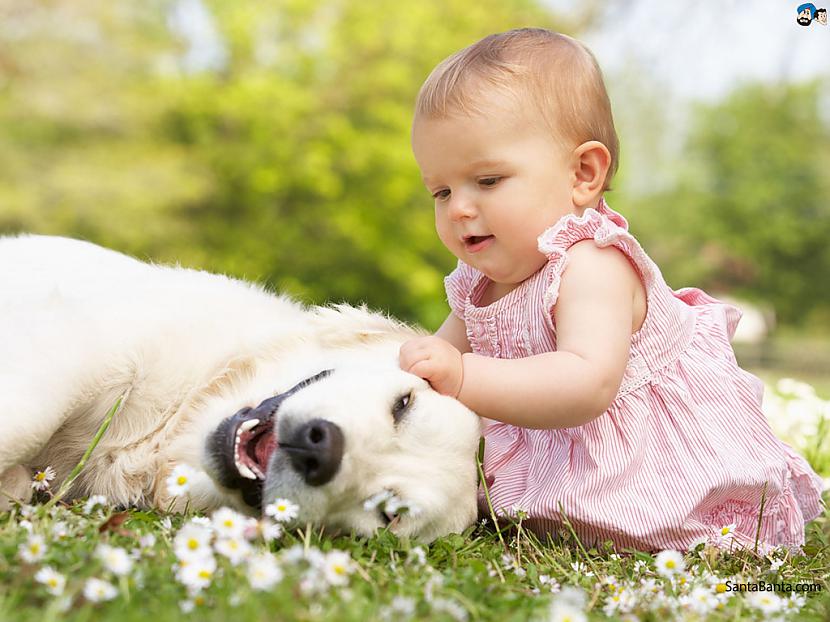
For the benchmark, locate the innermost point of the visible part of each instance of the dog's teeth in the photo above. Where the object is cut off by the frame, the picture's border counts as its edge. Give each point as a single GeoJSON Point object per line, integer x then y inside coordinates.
{"type": "Point", "coordinates": [248, 425]}
{"type": "Point", "coordinates": [244, 471]}
{"type": "Point", "coordinates": [257, 472]}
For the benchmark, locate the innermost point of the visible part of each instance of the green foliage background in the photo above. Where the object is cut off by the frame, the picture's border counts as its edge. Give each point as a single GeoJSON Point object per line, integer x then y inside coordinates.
{"type": "Point", "coordinates": [292, 165]}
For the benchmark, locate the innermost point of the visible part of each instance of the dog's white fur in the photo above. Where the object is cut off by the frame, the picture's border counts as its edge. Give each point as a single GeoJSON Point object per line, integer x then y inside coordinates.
{"type": "Point", "coordinates": [81, 326]}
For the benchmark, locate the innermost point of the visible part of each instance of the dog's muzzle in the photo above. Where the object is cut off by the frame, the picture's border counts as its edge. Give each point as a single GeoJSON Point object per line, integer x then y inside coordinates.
{"type": "Point", "coordinates": [315, 449]}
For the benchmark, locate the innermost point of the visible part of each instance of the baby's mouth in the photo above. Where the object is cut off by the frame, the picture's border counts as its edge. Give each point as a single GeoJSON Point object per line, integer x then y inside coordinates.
{"type": "Point", "coordinates": [474, 243]}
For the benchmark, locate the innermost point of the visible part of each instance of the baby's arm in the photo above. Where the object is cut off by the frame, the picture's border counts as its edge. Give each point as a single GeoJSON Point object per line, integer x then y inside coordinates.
{"type": "Point", "coordinates": [437, 359]}
{"type": "Point", "coordinates": [594, 321]}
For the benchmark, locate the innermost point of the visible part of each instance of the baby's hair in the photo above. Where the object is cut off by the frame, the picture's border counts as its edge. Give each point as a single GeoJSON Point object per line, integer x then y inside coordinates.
{"type": "Point", "coordinates": [556, 73]}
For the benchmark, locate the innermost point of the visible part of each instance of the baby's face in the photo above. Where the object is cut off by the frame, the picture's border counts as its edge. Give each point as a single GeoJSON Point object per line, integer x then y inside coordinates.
{"type": "Point", "coordinates": [498, 182]}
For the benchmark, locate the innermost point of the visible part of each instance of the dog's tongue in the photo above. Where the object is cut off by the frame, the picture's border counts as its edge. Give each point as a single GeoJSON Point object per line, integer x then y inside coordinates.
{"type": "Point", "coordinates": [265, 446]}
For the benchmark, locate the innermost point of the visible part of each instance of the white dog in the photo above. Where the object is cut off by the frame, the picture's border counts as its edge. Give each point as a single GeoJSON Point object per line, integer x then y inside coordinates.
{"type": "Point", "coordinates": [264, 398]}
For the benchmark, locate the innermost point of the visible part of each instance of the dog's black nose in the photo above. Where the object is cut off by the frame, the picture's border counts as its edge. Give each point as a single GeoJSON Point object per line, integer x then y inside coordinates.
{"type": "Point", "coordinates": [315, 449]}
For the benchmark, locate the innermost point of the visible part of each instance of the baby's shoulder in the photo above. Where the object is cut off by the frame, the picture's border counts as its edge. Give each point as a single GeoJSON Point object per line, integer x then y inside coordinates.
{"type": "Point", "coordinates": [597, 264]}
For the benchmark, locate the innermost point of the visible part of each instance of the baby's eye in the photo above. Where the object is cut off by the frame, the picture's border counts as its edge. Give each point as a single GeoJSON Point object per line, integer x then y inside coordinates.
{"type": "Point", "coordinates": [489, 181]}
{"type": "Point", "coordinates": [441, 195]}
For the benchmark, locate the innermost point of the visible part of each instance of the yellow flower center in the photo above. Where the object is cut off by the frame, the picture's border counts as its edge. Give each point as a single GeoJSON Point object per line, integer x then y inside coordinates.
{"type": "Point", "coordinates": [339, 569]}
{"type": "Point", "coordinates": [725, 531]}
{"type": "Point", "coordinates": [720, 588]}
{"type": "Point", "coordinates": [193, 544]}
{"type": "Point", "coordinates": [670, 564]}
{"type": "Point", "coordinates": [182, 480]}
{"type": "Point", "coordinates": [205, 574]}
{"type": "Point", "coordinates": [40, 476]}
{"type": "Point", "coordinates": [53, 582]}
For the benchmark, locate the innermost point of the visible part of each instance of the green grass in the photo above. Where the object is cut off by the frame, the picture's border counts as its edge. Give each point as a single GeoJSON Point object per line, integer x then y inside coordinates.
{"type": "Point", "coordinates": [482, 574]}
{"type": "Point", "coordinates": [473, 571]}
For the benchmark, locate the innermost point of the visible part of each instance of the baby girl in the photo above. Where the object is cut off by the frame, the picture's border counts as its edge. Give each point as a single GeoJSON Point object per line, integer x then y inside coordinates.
{"type": "Point", "coordinates": [609, 400]}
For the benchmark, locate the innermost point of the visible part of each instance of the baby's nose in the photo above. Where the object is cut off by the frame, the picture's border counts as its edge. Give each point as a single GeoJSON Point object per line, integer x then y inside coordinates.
{"type": "Point", "coordinates": [461, 207]}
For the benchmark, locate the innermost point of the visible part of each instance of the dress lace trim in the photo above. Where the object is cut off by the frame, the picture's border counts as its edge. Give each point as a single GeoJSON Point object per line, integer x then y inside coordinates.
{"type": "Point", "coordinates": [607, 228]}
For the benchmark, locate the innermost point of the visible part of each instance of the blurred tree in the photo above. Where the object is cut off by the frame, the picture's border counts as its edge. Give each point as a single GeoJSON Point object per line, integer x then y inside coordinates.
{"type": "Point", "coordinates": [289, 162]}
{"type": "Point", "coordinates": [270, 140]}
{"type": "Point", "coordinates": [751, 213]}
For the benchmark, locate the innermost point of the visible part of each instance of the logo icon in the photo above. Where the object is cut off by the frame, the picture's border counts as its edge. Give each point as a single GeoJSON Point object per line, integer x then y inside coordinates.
{"type": "Point", "coordinates": [806, 13]}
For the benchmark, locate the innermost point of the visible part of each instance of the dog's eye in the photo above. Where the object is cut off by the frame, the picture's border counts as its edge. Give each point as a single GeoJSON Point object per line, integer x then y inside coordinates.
{"type": "Point", "coordinates": [401, 406]}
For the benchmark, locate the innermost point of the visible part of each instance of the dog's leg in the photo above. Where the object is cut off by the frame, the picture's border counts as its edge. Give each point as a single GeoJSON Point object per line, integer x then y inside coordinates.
{"type": "Point", "coordinates": [32, 409]}
{"type": "Point", "coordinates": [15, 485]}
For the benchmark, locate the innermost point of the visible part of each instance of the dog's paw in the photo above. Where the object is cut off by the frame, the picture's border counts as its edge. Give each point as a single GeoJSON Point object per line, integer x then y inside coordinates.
{"type": "Point", "coordinates": [15, 485]}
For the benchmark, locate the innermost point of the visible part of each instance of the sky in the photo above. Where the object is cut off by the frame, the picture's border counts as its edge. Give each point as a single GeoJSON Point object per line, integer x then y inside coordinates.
{"type": "Point", "coordinates": [702, 50]}
{"type": "Point", "coordinates": [662, 58]}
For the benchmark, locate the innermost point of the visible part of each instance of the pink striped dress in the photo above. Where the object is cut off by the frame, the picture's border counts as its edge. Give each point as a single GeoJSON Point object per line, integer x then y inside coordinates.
{"type": "Point", "coordinates": [683, 450]}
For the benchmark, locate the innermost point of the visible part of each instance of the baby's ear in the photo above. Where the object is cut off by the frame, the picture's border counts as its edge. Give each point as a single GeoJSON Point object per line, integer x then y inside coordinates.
{"type": "Point", "coordinates": [591, 161]}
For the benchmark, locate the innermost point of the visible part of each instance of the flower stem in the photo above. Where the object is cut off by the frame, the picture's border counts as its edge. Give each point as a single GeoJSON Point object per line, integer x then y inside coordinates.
{"type": "Point", "coordinates": [67, 483]}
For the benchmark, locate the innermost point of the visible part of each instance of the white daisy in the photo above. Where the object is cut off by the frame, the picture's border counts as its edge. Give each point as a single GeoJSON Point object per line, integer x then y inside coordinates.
{"type": "Point", "coordinates": [263, 571]}
{"type": "Point", "coordinates": [293, 554]}
{"type": "Point", "coordinates": [42, 478]}
{"type": "Point", "coordinates": [228, 523]}
{"type": "Point", "coordinates": [33, 549]}
{"type": "Point", "coordinates": [701, 600]}
{"type": "Point", "coordinates": [519, 512]}
{"type": "Point", "coordinates": [147, 541]}
{"type": "Point", "coordinates": [620, 601]}
{"type": "Point", "coordinates": [725, 534]}
{"type": "Point", "coordinates": [282, 510]}
{"type": "Point", "coordinates": [795, 602]}
{"type": "Point", "coordinates": [669, 563]}
{"type": "Point", "coordinates": [196, 574]}
{"type": "Point", "coordinates": [270, 530]}
{"type": "Point", "coordinates": [581, 569]}
{"type": "Point", "coordinates": [192, 542]}
{"type": "Point", "coordinates": [337, 566]}
{"type": "Point", "coordinates": [60, 530]}
{"type": "Point", "coordinates": [562, 611]}
{"type": "Point", "coordinates": [179, 480]}
{"type": "Point", "coordinates": [765, 602]}
{"type": "Point", "coordinates": [93, 502]}
{"type": "Point", "coordinates": [417, 555]}
{"type": "Point", "coordinates": [640, 566]}
{"type": "Point", "coordinates": [403, 606]}
{"type": "Point", "coordinates": [775, 564]}
{"type": "Point", "coordinates": [115, 559]}
{"type": "Point", "coordinates": [235, 549]}
{"type": "Point", "coordinates": [53, 580]}
{"type": "Point", "coordinates": [455, 610]}
{"type": "Point", "coordinates": [96, 590]}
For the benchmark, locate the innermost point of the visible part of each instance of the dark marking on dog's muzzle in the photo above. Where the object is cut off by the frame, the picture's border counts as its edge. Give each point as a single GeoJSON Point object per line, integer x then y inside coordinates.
{"type": "Point", "coordinates": [231, 456]}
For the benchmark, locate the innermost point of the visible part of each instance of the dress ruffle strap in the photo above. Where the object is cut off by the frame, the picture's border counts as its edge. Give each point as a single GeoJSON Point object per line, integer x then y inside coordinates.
{"type": "Point", "coordinates": [603, 225]}
{"type": "Point", "coordinates": [457, 285]}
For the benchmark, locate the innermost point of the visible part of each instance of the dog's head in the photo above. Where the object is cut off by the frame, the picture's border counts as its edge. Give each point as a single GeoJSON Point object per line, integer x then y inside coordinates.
{"type": "Point", "coordinates": [362, 446]}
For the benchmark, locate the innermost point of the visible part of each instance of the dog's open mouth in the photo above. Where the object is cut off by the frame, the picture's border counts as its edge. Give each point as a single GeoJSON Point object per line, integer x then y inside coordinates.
{"type": "Point", "coordinates": [241, 446]}
{"type": "Point", "coordinates": [253, 445]}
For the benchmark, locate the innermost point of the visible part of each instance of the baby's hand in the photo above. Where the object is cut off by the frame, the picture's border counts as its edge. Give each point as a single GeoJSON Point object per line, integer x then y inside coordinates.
{"type": "Point", "coordinates": [435, 360]}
